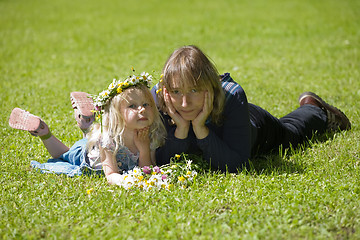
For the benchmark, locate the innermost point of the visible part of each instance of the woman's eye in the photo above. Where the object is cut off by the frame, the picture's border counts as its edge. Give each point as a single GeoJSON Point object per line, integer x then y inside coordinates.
{"type": "Point", "coordinates": [146, 105]}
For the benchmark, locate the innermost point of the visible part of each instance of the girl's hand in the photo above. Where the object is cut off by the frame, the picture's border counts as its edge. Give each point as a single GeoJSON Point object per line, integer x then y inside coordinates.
{"type": "Point", "coordinates": [182, 125]}
{"type": "Point", "coordinates": [200, 130]}
{"type": "Point", "coordinates": [142, 143]}
{"type": "Point", "coordinates": [142, 139]}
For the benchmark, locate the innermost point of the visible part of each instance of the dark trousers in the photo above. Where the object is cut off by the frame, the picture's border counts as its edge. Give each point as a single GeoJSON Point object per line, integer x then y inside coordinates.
{"type": "Point", "coordinates": [295, 128]}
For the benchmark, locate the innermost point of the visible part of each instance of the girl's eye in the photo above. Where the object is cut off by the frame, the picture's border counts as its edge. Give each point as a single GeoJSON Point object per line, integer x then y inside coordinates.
{"type": "Point", "coordinates": [146, 105]}
{"type": "Point", "coordinates": [175, 91]}
{"type": "Point", "coordinates": [193, 90]}
{"type": "Point", "coordinates": [132, 106]}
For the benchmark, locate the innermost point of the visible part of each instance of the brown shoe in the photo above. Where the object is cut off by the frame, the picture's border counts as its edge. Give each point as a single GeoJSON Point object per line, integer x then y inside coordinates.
{"type": "Point", "coordinates": [336, 119]}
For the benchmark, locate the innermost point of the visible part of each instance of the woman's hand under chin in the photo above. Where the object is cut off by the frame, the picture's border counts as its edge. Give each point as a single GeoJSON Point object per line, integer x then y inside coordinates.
{"type": "Point", "coordinates": [200, 130]}
{"type": "Point", "coordinates": [182, 125]}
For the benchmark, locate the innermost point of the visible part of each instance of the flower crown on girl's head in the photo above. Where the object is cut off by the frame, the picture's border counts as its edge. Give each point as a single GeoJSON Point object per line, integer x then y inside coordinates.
{"type": "Point", "coordinates": [116, 87]}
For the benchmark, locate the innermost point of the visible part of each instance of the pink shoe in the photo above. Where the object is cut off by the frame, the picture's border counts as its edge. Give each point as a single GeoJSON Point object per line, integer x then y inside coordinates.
{"type": "Point", "coordinates": [83, 105]}
{"type": "Point", "coordinates": [23, 120]}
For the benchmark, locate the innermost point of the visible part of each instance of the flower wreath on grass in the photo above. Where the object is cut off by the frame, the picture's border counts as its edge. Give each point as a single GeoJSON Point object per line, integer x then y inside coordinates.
{"type": "Point", "coordinates": [179, 173]}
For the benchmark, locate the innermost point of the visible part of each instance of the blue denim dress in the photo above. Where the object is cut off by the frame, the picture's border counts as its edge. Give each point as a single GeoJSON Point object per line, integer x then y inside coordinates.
{"type": "Point", "coordinates": [75, 162]}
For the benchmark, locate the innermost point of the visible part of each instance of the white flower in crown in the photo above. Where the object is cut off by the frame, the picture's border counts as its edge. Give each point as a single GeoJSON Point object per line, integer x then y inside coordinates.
{"type": "Point", "coordinates": [104, 94]}
{"type": "Point", "coordinates": [113, 84]}
{"type": "Point", "coordinates": [146, 76]}
{"type": "Point", "coordinates": [137, 79]}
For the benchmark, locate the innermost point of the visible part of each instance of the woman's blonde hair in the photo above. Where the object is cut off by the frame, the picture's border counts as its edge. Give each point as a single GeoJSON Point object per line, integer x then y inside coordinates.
{"type": "Point", "coordinates": [113, 124]}
{"type": "Point", "coordinates": [190, 65]}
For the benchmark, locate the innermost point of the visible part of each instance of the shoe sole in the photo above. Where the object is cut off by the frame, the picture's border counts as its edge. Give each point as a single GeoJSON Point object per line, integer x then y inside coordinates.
{"type": "Point", "coordinates": [83, 102]}
{"type": "Point", "coordinates": [23, 120]}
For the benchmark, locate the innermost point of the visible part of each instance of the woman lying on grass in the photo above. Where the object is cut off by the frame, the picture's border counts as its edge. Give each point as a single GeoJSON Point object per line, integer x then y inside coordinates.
{"type": "Point", "coordinates": [130, 131]}
{"type": "Point", "coordinates": [209, 114]}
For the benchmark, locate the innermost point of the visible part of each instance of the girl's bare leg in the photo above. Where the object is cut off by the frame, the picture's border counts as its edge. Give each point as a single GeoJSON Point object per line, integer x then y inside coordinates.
{"type": "Point", "coordinates": [54, 146]}
{"type": "Point", "coordinates": [23, 120]}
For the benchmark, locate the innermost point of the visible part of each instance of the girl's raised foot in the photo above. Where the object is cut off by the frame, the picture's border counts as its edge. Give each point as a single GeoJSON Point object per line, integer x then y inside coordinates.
{"type": "Point", "coordinates": [23, 120]}
{"type": "Point", "coordinates": [83, 107]}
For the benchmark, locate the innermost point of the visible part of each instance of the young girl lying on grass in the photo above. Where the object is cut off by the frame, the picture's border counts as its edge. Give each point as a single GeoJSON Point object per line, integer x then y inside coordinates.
{"type": "Point", "coordinates": [130, 131]}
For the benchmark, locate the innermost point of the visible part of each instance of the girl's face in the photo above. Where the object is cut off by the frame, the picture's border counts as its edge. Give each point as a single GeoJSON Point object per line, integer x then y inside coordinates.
{"type": "Point", "coordinates": [187, 100]}
{"type": "Point", "coordinates": [136, 110]}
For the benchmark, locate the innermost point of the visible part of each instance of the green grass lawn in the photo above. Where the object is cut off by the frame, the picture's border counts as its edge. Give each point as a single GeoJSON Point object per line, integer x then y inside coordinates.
{"type": "Point", "coordinates": [275, 49]}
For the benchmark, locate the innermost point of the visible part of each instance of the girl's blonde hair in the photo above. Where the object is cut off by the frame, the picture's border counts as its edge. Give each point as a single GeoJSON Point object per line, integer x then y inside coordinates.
{"type": "Point", "coordinates": [113, 124]}
{"type": "Point", "coordinates": [192, 67]}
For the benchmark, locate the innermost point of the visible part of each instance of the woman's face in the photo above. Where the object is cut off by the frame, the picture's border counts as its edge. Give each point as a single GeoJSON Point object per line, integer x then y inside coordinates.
{"type": "Point", "coordinates": [137, 111]}
{"type": "Point", "coordinates": [188, 100]}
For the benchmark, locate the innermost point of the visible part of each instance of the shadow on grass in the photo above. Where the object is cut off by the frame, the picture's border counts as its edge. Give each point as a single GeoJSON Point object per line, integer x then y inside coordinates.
{"type": "Point", "coordinates": [289, 160]}
{"type": "Point", "coordinates": [274, 163]}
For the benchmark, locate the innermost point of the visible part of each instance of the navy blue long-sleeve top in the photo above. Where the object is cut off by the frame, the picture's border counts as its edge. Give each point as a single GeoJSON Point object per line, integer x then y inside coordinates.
{"type": "Point", "coordinates": [228, 146]}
